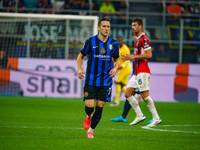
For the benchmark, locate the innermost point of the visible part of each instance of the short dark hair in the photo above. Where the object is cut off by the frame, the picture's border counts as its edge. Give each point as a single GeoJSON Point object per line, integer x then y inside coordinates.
{"type": "Point", "coordinates": [104, 19]}
{"type": "Point", "coordinates": [138, 20]}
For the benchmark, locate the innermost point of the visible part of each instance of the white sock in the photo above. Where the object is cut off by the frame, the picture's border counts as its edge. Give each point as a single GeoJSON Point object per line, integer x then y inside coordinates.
{"type": "Point", "coordinates": [150, 104]}
{"type": "Point", "coordinates": [137, 97]}
{"type": "Point", "coordinates": [133, 102]}
{"type": "Point", "coordinates": [90, 130]}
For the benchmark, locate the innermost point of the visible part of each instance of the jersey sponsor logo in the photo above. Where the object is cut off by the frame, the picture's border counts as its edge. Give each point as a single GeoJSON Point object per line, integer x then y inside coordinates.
{"type": "Point", "coordinates": [104, 57]}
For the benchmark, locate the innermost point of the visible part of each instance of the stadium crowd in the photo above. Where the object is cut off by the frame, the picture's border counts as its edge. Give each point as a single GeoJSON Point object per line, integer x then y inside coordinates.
{"type": "Point", "coordinates": [120, 13]}
{"type": "Point", "coordinates": [184, 8]}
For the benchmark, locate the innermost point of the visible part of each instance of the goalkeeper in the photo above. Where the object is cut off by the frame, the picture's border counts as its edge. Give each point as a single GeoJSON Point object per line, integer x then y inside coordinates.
{"type": "Point", "coordinates": [124, 71]}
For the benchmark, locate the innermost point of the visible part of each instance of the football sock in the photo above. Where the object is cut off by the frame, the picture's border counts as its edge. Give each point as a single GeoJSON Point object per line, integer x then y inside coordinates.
{"type": "Point", "coordinates": [90, 130]}
{"type": "Point", "coordinates": [150, 104]}
{"type": "Point", "coordinates": [89, 111]}
{"type": "Point", "coordinates": [117, 92]}
{"type": "Point", "coordinates": [133, 102]}
{"type": "Point", "coordinates": [137, 97]}
{"type": "Point", "coordinates": [127, 107]}
{"type": "Point", "coordinates": [96, 117]}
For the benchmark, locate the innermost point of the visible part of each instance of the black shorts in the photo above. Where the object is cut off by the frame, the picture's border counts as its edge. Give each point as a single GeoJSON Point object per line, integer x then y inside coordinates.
{"type": "Point", "coordinates": [102, 93]}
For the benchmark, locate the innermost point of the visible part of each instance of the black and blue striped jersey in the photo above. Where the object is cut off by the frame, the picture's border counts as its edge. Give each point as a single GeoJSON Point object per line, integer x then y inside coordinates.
{"type": "Point", "coordinates": [99, 62]}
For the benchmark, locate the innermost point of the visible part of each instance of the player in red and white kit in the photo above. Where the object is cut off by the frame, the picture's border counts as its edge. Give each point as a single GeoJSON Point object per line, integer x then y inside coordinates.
{"type": "Point", "coordinates": [140, 79]}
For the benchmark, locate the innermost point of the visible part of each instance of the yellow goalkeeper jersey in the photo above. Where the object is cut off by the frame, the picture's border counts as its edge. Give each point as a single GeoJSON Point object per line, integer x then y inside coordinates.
{"type": "Point", "coordinates": [123, 51]}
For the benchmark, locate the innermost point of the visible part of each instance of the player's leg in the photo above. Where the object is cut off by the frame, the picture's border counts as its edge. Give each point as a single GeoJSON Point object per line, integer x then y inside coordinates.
{"type": "Point", "coordinates": [89, 108]}
{"type": "Point", "coordinates": [118, 87]}
{"type": "Point", "coordinates": [133, 102]}
{"type": "Point", "coordinates": [89, 98]}
{"type": "Point", "coordinates": [125, 78]}
{"type": "Point", "coordinates": [117, 93]}
{"type": "Point", "coordinates": [103, 96]}
{"type": "Point", "coordinates": [148, 100]}
{"type": "Point", "coordinates": [127, 107]}
{"type": "Point", "coordinates": [150, 104]}
{"type": "Point", "coordinates": [123, 118]}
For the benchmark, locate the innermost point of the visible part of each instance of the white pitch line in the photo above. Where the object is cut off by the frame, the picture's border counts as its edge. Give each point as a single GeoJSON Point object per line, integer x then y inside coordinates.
{"type": "Point", "coordinates": [166, 130]}
{"type": "Point", "coordinates": [37, 127]}
{"type": "Point", "coordinates": [64, 128]}
{"type": "Point", "coordinates": [131, 129]}
{"type": "Point", "coordinates": [186, 125]}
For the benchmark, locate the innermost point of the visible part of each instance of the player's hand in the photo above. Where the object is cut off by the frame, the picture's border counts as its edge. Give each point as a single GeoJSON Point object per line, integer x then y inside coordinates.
{"type": "Point", "coordinates": [113, 72]}
{"type": "Point", "coordinates": [81, 74]}
{"type": "Point", "coordinates": [127, 57]}
{"type": "Point", "coordinates": [120, 68]}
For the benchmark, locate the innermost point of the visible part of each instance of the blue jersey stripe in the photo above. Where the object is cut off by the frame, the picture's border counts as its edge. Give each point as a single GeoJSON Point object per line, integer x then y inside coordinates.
{"type": "Point", "coordinates": [100, 56]}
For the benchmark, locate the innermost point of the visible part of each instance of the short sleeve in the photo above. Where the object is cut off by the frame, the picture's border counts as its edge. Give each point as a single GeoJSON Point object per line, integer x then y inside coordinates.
{"type": "Point", "coordinates": [115, 50]}
{"type": "Point", "coordinates": [146, 43]}
{"type": "Point", "coordinates": [86, 48]}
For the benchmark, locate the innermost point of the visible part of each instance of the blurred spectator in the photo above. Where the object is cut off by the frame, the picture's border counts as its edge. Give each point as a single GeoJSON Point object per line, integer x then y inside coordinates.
{"type": "Point", "coordinates": [186, 8]}
{"type": "Point", "coordinates": [186, 11]}
{"type": "Point", "coordinates": [107, 8]}
{"type": "Point", "coordinates": [50, 51]}
{"type": "Point", "coordinates": [3, 58]}
{"type": "Point", "coordinates": [5, 5]}
{"type": "Point", "coordinates": [174, 10]}
{"type": "Point", "coordinates": [198, 55]}
{"type": "Point", "coordinates": [20, 6]}
{"type": "Point", "coordinates": [98, 3]}
{"type": "Point", "coordinates": [41, 6]}
{"type": "Point", "coordinates": [30, 6]}
{"type": "Point", "coordinates": [74, 50]}
{"type": "Point", "coordinates": [34, 50]}
{"type": "Point", "coordinates": [195, 7]}
{"type": "Point", "coordinates": [49, 7]}
{"type": "Point", "coordinates": [162, 55]}
{"type": "Point", "coordinates": [121, 12]}
{"type": "Point", "coordinates": [67, 8]}
{"type": "Point", "coordinates": [57, 5]}
{"type": "Point", "coordinates": [94, 6]}
{"type": "Point", "coordinates": [83, 8]}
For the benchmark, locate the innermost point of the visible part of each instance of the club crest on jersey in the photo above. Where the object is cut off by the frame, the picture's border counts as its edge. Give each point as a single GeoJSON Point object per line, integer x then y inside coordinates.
{"type": "Point", "coordinates": [103, 51]}
{"type": "Point", "coordinates": [86, 94]}
{"type": "Point", "coordinates": [110, 46]}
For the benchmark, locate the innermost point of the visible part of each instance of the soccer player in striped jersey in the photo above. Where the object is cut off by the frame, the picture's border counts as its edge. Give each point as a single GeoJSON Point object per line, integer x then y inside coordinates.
{"type": "Point", "coordinates": [100, 50]}
{"type": "Point", "coordinates": [127, 106]}
{"type": "Point", "coordinates": [140, 79]}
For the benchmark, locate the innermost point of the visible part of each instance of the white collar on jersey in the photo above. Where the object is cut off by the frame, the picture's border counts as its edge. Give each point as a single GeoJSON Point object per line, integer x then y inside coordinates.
{"type": "Point", "coordinates": [140, 35]}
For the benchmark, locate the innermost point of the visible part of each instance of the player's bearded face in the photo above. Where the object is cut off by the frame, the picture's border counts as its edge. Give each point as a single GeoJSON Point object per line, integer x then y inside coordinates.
{"type": "Point", "coordinates": [135, 27]}
{"type": "Point", "coordinates": [104, 28]}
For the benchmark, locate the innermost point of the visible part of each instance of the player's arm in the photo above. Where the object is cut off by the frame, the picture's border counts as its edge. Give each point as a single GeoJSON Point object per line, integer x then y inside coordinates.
{"type": "Point", "coordinates": [147, 55]}
{"type": "Point", "coordinates": [116, 66]}
{"type": "Point", "coordinates": [79, 65]}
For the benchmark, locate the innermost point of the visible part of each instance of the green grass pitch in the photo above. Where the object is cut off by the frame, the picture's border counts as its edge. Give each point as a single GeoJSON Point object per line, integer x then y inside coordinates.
{"type": "Point", "coordinates": [57, 124]}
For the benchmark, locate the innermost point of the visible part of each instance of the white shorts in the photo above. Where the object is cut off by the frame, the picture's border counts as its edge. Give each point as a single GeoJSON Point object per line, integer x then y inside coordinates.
{"type": "Point", "coordinates": [139, 82]}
